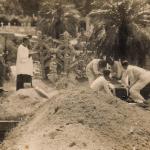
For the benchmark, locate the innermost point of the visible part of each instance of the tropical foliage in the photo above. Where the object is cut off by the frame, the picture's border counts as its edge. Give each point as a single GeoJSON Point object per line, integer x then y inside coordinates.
{"type": "Point", "coordinates": [30, 7]}
{"type": "Point", "coordinates": [122, 28]}
{"type": "Point", "coordinates": [57, 18]}
{"type": "Point", "coordinates": [19, 7]}
{"type": "Point", "coordinates": [10, 7]}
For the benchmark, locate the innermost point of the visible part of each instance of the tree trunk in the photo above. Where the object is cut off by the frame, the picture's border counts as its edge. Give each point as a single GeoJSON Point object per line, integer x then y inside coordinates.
{"type": "Point", "coordinates": [123, 36]}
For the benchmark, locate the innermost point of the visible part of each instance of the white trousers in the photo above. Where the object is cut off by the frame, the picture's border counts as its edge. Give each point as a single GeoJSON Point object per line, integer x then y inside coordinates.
{"type": "Point", "coordinates": [138, 86]}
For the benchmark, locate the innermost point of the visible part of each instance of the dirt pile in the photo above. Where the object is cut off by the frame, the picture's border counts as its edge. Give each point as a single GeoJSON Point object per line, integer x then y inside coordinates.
{"type": "Point", "coordinates": [78, 119]}
{"type": "Point", "coordinates": [24, 102]}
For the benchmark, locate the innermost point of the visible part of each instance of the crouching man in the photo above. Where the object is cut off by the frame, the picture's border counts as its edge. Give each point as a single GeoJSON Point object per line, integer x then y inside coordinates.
{"type": "Point", "coordinates": [94, 69]}
{"type": "Point", "coordinates": [102, 83]}
{"type": "Point", "coordinates": [138, 78]}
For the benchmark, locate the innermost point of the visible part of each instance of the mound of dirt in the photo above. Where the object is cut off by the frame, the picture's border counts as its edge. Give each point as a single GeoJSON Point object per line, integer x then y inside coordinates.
{"type": "Point", "coordinates": [78, 119]}
{"type": "Point", "coordinates": [24, 102]}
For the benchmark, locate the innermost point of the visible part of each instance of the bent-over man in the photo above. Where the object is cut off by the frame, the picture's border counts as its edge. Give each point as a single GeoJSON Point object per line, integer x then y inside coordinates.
{"type": "Point", "coordinates": [94, 69]}
{"type": "Point", "coordinates": [138, 78]}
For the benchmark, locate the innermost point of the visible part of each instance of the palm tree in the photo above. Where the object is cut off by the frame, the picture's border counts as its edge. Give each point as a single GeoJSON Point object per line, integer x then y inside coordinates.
{"type": "Point", "coordinates": [58, 17]}
{"type": "Point", "coordinates": [84, 6]}
{"type": "Point", "coordinates": [11, 7]}
{"type": "Point", "coordinates": [125, 23]}
{"type": "Point", "coordinates": [29, 7]}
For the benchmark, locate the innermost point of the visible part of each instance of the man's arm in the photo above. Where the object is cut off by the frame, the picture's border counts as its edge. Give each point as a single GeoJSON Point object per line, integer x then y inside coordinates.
{"type": "Point", "coordinates": [131, 78]}
{"type": "Point", "coordinates": [107, 89]}
{"type": "Point", "coordinates": [95, 68]}
{"type": "Point", "coordinates": [125, 79]}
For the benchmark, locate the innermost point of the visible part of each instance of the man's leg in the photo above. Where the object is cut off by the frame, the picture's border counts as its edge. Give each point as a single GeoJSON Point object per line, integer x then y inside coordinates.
{"type": "Point", "coordinates": [135, 91]}
{"type": "Point", "coordinates": [19, 82]}
{"type": "Point", "coordinates": [92, 79]}
{"type": "Point", "coordinates": [27, 79]}
{"type": "Point", "coordinates": [90, 76]}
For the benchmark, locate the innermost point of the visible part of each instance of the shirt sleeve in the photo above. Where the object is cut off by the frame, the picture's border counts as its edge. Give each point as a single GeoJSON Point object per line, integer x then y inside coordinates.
{"type": "Point", "coordinates": [95, 68]}
{"type": "Point", "coordinates": [106, 88]}
{"type": "Point", "coordinates": [131, 77]}
{"type": "Point", "coordinates": [124, 79]}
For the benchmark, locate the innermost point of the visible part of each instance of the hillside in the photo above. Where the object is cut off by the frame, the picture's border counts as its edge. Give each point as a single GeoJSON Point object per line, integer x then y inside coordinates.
{"type": "Point", "coordinates": [78, 119]}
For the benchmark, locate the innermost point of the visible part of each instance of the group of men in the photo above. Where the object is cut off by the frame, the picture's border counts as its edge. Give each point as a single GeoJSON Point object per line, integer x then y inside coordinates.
{"type": "Point", "coordinates": [101, 72]}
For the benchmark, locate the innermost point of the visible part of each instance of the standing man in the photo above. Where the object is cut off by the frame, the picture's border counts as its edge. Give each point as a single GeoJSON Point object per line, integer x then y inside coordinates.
{"type": "Point", "coordinates": [24, 65]}
{"type": "Point", "coordinates": [138, 78]}
{"type": "Point", "coordinates": [94, 69]}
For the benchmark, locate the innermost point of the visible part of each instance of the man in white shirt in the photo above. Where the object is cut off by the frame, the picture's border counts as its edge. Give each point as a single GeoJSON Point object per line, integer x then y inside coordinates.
{"type": "Point", "coordinates": [102, 83]}
{"type": "Point", "coordinates": [138, 78]}
{"type": "Point", "coordinates": [24, 65]}
{"type": "Point", "coordinates": [94, 69]}
{"type": "Point", "coordinates": [116, 68]}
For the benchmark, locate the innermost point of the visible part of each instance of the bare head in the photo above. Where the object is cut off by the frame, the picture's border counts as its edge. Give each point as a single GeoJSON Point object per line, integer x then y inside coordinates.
{"type": "Point", "coordinates": [25, 41]}
{"type": "Point", "coordinates": [106, 73]}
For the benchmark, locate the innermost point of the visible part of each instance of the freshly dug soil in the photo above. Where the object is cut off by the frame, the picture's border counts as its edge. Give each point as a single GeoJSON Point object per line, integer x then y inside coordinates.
{"type": "Point", "coordinates": [24, 102]}
{"type": "Point", "coordinates": [79, 119]}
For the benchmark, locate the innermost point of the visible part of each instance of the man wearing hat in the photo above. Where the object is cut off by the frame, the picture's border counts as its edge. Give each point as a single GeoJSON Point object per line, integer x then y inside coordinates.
{"type": "Point", "coordinates": [138, 78]}
{"type": "Point", "coordinates": [24, 65]}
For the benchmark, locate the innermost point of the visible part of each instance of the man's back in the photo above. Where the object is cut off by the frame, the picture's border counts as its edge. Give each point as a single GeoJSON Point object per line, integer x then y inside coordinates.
{"type": "Point", "coordinates": [93, 66]}
{"type": "Point", "coordinates": [22, 54]}
{"type": "Point", "coordinates": [135, 72]}
{"type": "Point", "coordinates": [132, 74]}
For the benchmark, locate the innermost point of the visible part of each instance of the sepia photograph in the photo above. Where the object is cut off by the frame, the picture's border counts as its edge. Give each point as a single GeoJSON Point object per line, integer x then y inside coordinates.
{"type": "Point", "coordinates": [74, 74]}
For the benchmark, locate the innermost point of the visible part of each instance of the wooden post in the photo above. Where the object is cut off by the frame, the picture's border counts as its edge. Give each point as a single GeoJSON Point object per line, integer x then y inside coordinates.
{"type": "Point", "coordinates": [66, 57]}
{"type": "Point", "coordinates": [42, 62]}
{"type": "Point", "coordinates": [5, 50]}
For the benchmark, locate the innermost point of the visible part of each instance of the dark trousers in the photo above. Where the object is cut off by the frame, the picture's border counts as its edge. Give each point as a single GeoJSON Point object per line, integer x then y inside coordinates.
{"type": "Point", "coordinates": [21, 79]}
